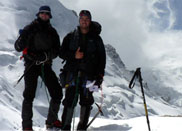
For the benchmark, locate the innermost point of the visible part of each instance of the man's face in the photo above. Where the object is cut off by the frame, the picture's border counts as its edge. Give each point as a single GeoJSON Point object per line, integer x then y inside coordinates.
{"type": "Point", "coordinates": [44, 16]}
{"type": "Point", "coordinates": [84, 22]}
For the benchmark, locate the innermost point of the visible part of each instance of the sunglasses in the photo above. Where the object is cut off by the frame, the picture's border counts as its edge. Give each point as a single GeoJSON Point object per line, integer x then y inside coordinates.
{"type": "Point", "coordinates": [46, 13]}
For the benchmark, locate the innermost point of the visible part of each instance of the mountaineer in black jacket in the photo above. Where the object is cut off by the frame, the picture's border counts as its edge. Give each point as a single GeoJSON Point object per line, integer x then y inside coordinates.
{"type": "Point", "coordinates": [40, 44]}
{"type": "Point", "coordinates": [84, 53]}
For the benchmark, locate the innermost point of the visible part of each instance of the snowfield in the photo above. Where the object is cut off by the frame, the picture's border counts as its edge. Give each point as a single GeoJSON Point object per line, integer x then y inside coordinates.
{"type": "Point", "coordinates": [134, 124]}
{"type": "Point", "coordinates": [122, 107]}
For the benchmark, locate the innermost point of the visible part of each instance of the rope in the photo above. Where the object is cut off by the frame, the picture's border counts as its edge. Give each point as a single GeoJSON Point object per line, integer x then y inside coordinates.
{"type": "Point", "coordinates": [34, 62]}
{"type": "Point", "coordinates": [102, 97]}
{"type": "Point", "coordinates": [42, 62]}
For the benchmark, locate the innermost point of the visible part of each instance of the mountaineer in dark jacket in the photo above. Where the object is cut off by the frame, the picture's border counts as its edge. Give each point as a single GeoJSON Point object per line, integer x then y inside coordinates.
{"type": "Point", "coordinates": [84, 53]}
{"type": "Point", "coordinates": [40, 44]}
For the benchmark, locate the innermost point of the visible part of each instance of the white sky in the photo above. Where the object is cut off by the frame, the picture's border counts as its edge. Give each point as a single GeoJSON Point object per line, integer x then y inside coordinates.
{"type": "Point", "coordinates": [132, 26]}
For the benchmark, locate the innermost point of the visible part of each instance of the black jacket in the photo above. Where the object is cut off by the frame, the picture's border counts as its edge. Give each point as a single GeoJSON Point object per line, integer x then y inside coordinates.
{"type": "Point", "coordinates": [39, 37]}
{"type": "Point", "coordinates": [91, 45]}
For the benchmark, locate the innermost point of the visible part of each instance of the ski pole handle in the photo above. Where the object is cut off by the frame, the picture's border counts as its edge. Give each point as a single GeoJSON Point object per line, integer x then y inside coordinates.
{"type": "Point", "coordinates": [136, 74]}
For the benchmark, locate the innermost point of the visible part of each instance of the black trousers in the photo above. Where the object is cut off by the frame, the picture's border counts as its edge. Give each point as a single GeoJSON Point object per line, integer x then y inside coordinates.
{"type": "Point", "coordinates": [55, 91]}
{"type": "Point", "coordinates": [71, 99]}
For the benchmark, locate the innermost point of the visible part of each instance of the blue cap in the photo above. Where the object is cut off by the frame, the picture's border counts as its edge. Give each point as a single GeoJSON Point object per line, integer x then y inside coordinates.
{"type": "Point", "coordinates": [46, 9]}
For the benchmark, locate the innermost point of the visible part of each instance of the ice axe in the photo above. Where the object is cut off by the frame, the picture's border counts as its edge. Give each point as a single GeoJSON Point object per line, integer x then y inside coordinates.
{"type": "Point", "coordinates": [24, 73]}
{"type": "Point", "coordinates": [138, 75]}
{"type": "Point", "coordinates": [95, 116]}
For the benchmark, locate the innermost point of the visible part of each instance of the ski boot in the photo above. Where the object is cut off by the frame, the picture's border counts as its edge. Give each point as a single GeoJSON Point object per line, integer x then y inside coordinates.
{"type": "Point", "coordinates": [28, 129]}
{"type": "Point", "coordinates": [55, 126]}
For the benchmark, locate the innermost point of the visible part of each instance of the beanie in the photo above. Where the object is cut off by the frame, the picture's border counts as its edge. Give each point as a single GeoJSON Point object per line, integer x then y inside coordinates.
{"type": "Point", "coordinates": [46, 9]}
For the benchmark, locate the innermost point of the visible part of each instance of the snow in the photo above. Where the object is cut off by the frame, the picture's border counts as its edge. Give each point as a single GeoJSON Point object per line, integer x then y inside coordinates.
{"type": "Point", "coordinates": [139, 124]}
{"type": "Point", "coordinates": [134, 124]}
{"type": "Point", "coordinates": [122, 107]}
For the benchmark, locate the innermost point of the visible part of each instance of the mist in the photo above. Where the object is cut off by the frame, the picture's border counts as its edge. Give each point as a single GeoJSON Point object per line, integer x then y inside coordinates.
{"type": "Point", "coordinates": [144, 32]}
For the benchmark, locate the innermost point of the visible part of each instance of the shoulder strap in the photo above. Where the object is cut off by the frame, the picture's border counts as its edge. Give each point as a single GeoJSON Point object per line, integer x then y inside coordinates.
{"type": "Point", "coordinates": [75, 36]}
{"type": "Point", "coordinates": [74, 39]}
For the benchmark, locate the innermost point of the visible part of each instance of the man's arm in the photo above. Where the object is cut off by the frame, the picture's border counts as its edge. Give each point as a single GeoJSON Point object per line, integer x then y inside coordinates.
{"type": "Point", "coordinates": [102, 62]}
{"type": "Point", "coordinates": [54, 52]}
{"type": "Point", "coordinates": [102, 57]}
{"type": "Point", "coordinates": [22, 42]}
{"type": "Point", "coordinates": [65, 53]}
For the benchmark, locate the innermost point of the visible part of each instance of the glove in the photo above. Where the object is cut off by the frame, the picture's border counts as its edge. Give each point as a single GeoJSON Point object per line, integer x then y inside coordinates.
{"type": "Point", "coordinates": [99, 80]}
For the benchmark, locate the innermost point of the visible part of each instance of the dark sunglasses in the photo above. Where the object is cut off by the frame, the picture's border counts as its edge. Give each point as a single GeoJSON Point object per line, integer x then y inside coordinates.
{"type": "Point", "coordinates": [47, 13]}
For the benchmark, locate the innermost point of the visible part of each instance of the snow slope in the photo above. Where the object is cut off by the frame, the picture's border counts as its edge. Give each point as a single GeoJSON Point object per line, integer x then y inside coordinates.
{"type": "Point", "coordinates": [121, 104]}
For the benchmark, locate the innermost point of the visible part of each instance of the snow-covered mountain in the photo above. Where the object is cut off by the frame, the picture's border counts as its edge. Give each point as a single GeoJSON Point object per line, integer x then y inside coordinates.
{"type": "Point", "coordinates": [120, 102]}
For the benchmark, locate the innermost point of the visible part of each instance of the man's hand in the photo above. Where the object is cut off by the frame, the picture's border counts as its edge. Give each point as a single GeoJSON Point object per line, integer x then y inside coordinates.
{"type": "Point", "coordinates": [99, 80]}
{"type": "Point", "coordinates": [79, 54]}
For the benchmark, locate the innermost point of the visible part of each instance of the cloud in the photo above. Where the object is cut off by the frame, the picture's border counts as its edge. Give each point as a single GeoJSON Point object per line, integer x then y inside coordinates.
{"type": "Point", "coordinates": [121, 24]}
{"type": "Point", "coordinates": [133, 27]}
{"type": "Point", "coordinates": [175, 6]}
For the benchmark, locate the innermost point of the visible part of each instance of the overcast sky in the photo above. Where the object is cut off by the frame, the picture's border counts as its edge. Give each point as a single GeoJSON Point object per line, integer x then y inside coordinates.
{"type": "Point", "coordinates": [142, 31]}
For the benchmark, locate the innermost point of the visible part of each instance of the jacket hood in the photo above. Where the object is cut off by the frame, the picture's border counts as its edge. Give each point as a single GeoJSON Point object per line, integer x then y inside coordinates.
{"type": "Point", "coordinates": [95, 28]}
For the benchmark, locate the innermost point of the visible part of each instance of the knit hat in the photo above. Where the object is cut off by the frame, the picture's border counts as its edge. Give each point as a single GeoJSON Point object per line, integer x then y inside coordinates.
{"type": "Point", "coordinates": [85, 13]}
{"type": "Point", "coordinates": [45, 9]}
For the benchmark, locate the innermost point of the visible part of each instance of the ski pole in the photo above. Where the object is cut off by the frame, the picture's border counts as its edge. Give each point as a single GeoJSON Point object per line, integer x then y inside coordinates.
{"type": "Point", "coordinates": [47, 95]}
{"type": "Point", "coordinates": [76, 96]}
{"type": "Point", "coordinates": [144, 101]}
{"type": "Point", "coordinates": [138, 75]}
{"type": "Point", "coordinates": [24, 73]}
